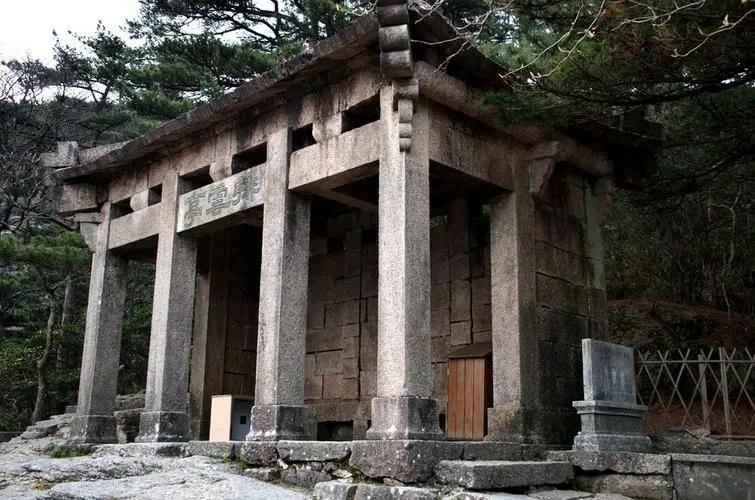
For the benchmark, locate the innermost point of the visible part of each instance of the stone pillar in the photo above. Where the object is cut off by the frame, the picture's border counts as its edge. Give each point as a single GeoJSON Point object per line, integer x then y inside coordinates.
{"type": "Point", "coordinates": [516, 414]}
{"type": "Point", "coordinates": [403, 408]}
{"type": "Point", "coordinates": [209, 335]}
{"type": "Point", "coordinates": [279, 411]}
{"type": "Point", "coordinates": [94, 421]}
{"type": "Point", "coordinates": [165, 417]}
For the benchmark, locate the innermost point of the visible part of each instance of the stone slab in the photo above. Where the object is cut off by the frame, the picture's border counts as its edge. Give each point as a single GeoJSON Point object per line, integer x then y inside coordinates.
{"type": "Point", "coordinates": [257, 453]}
{"type": "Point", "coordinates": [214, 449]}
{"type": "Point", "coordinates": [409, 461]}
{"type": "Point", "coordinates": [653, 486]}
{"type": "Point", "coordinates": [335, 490]}
{"type": "Point", "coordinates": [386, 492]}
{"type": "Point", "coordinates": [313, 451]}
{"type": "Point", "coordinates": [621, 462]}
{"type": "Point", "coordinates": [713, 476]}
{"type": "Point", "coordinates": [608, 372]}
{"type": "Point", "coordinates": [306, 475]}
{"type": "Point", "coordinates": [490, 450]}
{"type": "Point", "coordinates": [495, 474]}
{"type": "Point", "coordinates": [143, 450]}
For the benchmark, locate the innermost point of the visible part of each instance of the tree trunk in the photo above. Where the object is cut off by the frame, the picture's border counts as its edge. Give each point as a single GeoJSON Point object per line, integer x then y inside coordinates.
{"type": "Point", "coordinates": [65, 317]}
{"type": "Point", "coordinates": [42, 366]}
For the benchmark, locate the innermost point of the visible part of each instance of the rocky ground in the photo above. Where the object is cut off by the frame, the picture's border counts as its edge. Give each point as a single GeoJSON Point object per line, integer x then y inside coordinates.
{"type": "Point", "coordinates": [27, 471]}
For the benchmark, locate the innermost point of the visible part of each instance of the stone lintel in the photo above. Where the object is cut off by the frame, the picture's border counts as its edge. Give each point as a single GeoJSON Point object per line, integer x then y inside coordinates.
{"type": "Point", "coordinates": [72, 198]}
{"type": "Point", "coordinates": [454, 93]}
{"type": "Point", "coordinates": [565, 149]}
{"type": "Point", "coordinates": [278, 422]}
{"type": "Point", "coordinates": [336, 161]}
{"type": "Point", "coordinates": [221, 199]}
{"type": "Point", "coordinates": [136, 229]}
{"type": "Point", "coordinates": [481, 158]}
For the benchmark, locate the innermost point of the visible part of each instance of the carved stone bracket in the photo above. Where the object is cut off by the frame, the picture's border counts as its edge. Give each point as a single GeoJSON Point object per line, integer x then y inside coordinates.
{"type": "Point", "coordinates": [396, 62]}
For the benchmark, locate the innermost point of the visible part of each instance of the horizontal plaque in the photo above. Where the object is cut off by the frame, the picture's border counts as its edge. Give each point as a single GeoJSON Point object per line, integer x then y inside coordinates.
{"type": "Point", "coordinates": [221, 199]}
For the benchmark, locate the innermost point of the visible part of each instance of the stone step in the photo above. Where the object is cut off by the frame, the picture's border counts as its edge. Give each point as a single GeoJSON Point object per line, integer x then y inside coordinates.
{"type": "Point", "coordinates": [498, 474]}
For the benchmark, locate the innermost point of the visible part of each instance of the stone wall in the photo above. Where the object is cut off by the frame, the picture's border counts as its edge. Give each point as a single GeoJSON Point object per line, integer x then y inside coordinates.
{"type": "Point", "coordinates": [341, 359]}
{"type": "Point", "coordinates": [570, 289]}
{"type": "Point", "coordinates": [341, 364]}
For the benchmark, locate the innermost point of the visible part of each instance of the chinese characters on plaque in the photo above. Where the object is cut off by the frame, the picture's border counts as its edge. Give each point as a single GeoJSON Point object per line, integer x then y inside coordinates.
{"type": "Point", "coordinates": [220, 199]}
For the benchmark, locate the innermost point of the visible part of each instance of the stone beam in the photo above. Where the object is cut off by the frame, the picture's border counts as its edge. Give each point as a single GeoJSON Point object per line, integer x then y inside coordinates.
{"type": "Point", "coordinates": [165, 417]}
{"type": "Point", "coordinates": [454, 93]}
{"type": "Point", "coordinates": [135, 229]}
{"type": "Point", "coordinates": [337, 161]}
{"type": "Point", "coordinates": [279, 411]}
{"type": "Point", "coordinates": [403, 408]}
{"type": "Point", "coordinates": [94, 421]}
{"type": "Point", "coordinates": [207, 206]}
{"type": "Point", "coordinates": [482, 158]}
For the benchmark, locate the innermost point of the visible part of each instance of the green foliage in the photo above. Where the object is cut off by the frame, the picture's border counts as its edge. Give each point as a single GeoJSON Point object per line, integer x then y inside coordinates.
{"type": "Point", "coordinates": [71, 451]}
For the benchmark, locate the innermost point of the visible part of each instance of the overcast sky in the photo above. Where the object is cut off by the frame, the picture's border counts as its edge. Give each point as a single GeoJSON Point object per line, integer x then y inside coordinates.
{"type": "Point", "coordinates": [26, 26]}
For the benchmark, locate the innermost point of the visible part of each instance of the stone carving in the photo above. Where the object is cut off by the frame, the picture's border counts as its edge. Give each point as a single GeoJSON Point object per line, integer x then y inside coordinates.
{"type": "Point", "coordinates": [611, 418]}
{"type": "Point", "coordinates": [396, 62]}
{"type": "Point", "coordinates": [220, 199]}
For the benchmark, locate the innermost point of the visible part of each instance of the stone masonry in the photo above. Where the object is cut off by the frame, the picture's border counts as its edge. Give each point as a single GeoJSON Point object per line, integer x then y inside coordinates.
{"type": "Point", "coordinates": [326, 234]}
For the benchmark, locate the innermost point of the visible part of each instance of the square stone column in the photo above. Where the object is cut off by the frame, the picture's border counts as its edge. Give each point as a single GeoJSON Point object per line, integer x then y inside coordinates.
{"type": "Point", "coordinates": [94, 421]}
{"type": "Point", "coordinates": [403, 408]}
{"type": "Point", "coordinates": [279, 411]}
{"type": "Point", "coordinates": [516, 414]}
{"type": "Point", "coordinates": [165, 417]}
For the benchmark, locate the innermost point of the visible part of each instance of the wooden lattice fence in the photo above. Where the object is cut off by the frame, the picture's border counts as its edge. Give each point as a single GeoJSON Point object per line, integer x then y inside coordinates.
{"type": "Point", "coordinates": [713, 389]}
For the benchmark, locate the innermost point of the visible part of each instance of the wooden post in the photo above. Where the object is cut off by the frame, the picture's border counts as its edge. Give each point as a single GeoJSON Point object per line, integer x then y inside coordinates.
{"type": "Point", "coordinates": [704, 391]}
{"type": "Point", "coordinates": [725, 390]}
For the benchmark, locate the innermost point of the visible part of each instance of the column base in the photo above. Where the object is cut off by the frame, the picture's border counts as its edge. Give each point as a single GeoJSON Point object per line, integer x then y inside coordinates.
{"type": "Point", "coordinates": [94, 429]}
{"type": "Point", "coordinates": [611, 426]}
{"type": "Point", "coordinates": [163, 427]}
{"type": "Point", "coordinates": [277, 423]}
{"type": "Point", "coordinates": [408, 417]}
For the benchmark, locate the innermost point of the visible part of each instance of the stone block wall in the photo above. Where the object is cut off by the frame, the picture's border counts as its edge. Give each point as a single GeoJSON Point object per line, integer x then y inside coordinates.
{"type": "Point", "coordinates": [570, 289]}
{"type": "Point", "coordinates": [341, 364]}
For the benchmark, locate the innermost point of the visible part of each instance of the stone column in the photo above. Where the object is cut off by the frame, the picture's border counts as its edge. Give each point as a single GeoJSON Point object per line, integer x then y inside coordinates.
{"type": "Point", "coordinates": [94, 421]}
{"type": "Point", "coordinates": [279, 411]}
{"type": "Point", "coordinates": [515, 415]}
{"type": "Point", "coordinates": [403, 408]}
{"type": "Point", "coordinates": [165, 417]}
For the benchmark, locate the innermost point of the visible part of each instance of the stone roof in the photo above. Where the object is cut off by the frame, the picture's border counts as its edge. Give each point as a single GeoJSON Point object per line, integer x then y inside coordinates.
{"type": "Point", "coordinates": [298, 75]}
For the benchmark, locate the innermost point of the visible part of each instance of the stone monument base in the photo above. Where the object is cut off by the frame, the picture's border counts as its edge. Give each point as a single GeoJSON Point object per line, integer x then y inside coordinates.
{"type": "Point", "coordinates": [94, 429]}
{"type": "Point", "coordinates": [405, 418]}
{"type": "Point", "coordinates": [611, 426]}
{"type": "Point", "coordinates": [163, 427]}
{"type": "Point", "coordinates": [278, 422]}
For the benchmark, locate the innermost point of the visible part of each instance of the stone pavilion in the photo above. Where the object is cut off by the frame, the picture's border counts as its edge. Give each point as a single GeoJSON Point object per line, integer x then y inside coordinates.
{"type": "Point", "coordinates": [326, 235]}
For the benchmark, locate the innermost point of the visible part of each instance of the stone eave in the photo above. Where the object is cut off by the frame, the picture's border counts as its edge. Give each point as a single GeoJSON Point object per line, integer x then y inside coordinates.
{"type": "Point", "coordinates": [321, 57]}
